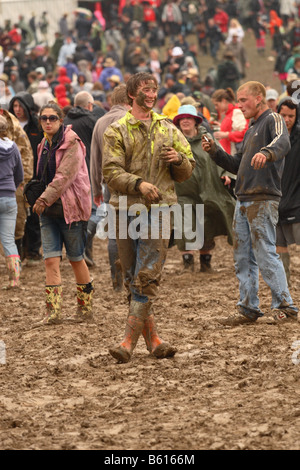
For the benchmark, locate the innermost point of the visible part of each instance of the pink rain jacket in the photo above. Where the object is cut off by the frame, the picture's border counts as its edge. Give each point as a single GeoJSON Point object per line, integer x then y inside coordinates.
{"type": "Point", "coordinates": [71, 182]}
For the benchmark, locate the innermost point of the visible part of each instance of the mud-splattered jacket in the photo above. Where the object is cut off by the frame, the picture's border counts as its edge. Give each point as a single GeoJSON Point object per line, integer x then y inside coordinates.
{"type": "Point", "coordinates": [19, 136]}
{"type": "Point", "coordinates": [267, 135]}
{"type": "Point", "coordinates": [132, 151]}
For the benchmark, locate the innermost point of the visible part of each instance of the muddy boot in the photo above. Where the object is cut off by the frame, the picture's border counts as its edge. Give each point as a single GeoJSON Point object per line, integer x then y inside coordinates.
{"type": "Point", "coordinates": [240, 318]}
{"type": "Point", "coordinates": [134, 327]}
{"type": "Point", "coordinates": [188, 262]}
{"type": "Point", "coordinates": [160, 349]}
{"type": "Point", "coordinates": [205, 264]}
{"type": "Point", "coordinates": [53, 307]}
{"type": "Point", "coordinates": [13, 264]}
{"type": "Point", "coordinates": [84, 312]}
{"type": "Point", "coordinates": [285, 258]}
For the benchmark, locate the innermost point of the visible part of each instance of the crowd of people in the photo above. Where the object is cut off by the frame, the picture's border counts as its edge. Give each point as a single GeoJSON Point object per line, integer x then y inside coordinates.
{"type": "Point", "coordinates": [100, 112]}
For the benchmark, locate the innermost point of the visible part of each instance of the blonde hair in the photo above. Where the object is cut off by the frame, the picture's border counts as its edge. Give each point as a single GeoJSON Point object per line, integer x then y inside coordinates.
{"type": "Point", "coordinates": [254, 89]}
{"type": "Point", "coordinates": [3, 127]}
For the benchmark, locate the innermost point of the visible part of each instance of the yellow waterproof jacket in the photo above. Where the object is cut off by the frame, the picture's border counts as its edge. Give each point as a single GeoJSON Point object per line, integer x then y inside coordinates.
{"type": "Point", "coordinates": [132, 152]}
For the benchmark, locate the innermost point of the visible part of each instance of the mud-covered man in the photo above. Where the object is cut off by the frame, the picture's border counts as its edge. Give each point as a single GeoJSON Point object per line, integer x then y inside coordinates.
{"type": "Point", "coordinates": [144, 153]}
{"type": "Point", "coordinates": [259, 167]}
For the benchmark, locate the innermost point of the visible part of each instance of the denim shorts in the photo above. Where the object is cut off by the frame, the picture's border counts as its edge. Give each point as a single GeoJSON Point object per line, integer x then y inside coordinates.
{"type": "Point", "coordinates": [56, 234]}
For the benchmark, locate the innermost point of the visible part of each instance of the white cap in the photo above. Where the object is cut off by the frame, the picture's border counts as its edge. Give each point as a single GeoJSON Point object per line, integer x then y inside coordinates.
{"type": "Point", "coordinates": [177, 51]}
{"type": "Point", "coordinates": [271, 94]}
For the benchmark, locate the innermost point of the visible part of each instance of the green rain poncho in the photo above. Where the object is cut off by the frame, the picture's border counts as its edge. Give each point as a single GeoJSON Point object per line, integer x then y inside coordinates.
{"type": "Point", "coordinates": [205, 186]}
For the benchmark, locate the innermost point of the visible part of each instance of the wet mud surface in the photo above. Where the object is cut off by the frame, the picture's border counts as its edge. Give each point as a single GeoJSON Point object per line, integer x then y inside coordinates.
{"type": "Point", "coordinates": [226, 388]}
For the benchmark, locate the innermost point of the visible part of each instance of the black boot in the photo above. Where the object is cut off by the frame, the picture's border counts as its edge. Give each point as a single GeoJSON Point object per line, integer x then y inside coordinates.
{"type": "Point", "coordinates": [205, 264]}
{"type": "Point", "coordinates": [188, 262]}
{"type": "Point", "coordinates": [19, 244]}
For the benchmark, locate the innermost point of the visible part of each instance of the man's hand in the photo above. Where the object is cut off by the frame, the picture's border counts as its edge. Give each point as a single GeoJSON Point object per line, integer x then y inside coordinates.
{"type": "Point", "coordinates": [150, 192]}
{"type": "Point", "coordinates": [258, 161]}
{"type": "Point", "coordinates": [208, 144]}
{"type": "Point", "coordinates": [169, 155]}
{"type": "Point", "coordinates": [226, 180]}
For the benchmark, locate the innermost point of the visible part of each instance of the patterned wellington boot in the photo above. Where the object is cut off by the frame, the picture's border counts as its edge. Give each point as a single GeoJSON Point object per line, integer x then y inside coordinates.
{"type": "Point", "coordinates": [53, 305]}
{"type": "Point", "coordinates": [13, 264]}
{"type": "Point", "coordinates": [84, 312]}
{"type": "Point", "coordinates": [158, 348]}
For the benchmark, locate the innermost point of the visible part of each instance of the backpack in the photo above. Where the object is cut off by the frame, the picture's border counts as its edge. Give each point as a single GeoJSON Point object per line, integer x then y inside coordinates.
{"type": "Point", "coordinates": [231, 72]}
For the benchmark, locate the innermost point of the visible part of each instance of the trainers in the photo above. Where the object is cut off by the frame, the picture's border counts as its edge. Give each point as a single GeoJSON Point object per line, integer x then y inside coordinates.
{"type": "Point", "coordinates": [285, 314]}
{"type": "Point", "coordinates": [236, 320]}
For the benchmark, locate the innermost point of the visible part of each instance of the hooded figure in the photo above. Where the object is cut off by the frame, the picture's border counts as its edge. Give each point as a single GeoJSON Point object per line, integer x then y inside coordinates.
{"type": "Point", "coordinates": [289, 206]}
{"type": "Point", "coordinates": [23, 108]}
{"type": "Point", "coordinates": [83, 122]}
{"type": "Point", "coordinates": [61, 96]}
{"type": "Point", "coordinates": [30, 118]}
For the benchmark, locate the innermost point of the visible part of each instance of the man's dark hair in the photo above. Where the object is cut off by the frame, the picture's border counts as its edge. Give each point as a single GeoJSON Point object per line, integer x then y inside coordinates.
{"type": "Point", "coordinates": [289, 103]}
{"type": "Point", "coordinates": [136, 80]}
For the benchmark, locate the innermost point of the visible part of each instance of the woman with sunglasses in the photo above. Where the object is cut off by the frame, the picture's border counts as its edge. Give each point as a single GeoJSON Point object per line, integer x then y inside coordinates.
{"type": "Point", "coordinates": [64, 209]}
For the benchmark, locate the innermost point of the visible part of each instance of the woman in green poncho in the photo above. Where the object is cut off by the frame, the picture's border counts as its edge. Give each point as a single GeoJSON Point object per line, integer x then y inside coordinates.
{"type": "Point", "coordinates": [205, 186]}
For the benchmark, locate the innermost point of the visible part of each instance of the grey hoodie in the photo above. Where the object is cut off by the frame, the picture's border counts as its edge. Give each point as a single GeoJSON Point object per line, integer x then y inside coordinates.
{"type": "Point", "coordinates": [11, 168]}
{"type": "Point", "coordinates": [268, 135]}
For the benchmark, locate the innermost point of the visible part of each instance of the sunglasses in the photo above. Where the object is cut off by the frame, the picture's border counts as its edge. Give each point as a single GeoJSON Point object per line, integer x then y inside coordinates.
{"type": "Point", "coordinates": [51, 118]}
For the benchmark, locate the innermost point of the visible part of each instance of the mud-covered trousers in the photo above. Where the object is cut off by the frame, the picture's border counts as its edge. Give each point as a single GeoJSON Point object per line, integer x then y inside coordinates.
{"type": "Point", "coordinates": [142, 254]}
{"type": "Point", "coordinates": [254, 231]}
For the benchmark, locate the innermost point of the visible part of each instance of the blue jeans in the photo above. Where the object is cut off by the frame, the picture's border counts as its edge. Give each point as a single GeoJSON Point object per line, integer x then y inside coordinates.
{"type": "Point", "coordinates": [8, 217]}
{"type": "Point", "coordinates": [254, 229]}
{"type": "Point", "coordinates": [56, 233]}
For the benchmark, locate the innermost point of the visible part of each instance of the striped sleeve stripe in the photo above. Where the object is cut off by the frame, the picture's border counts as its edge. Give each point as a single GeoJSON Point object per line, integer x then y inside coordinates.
{"type": "Point", "coordinates": [278, 128]}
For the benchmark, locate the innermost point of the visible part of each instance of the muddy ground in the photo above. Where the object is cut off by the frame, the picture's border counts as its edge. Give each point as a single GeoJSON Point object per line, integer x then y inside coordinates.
{"type": "Point", "coordinates": [226, 388]}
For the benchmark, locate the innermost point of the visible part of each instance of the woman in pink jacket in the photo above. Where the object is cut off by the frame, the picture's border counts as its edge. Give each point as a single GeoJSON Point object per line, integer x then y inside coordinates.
{"type": "Point", "coordinates": [233, 125]}
{"type": "Point", "coordinates": [64, 209]}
